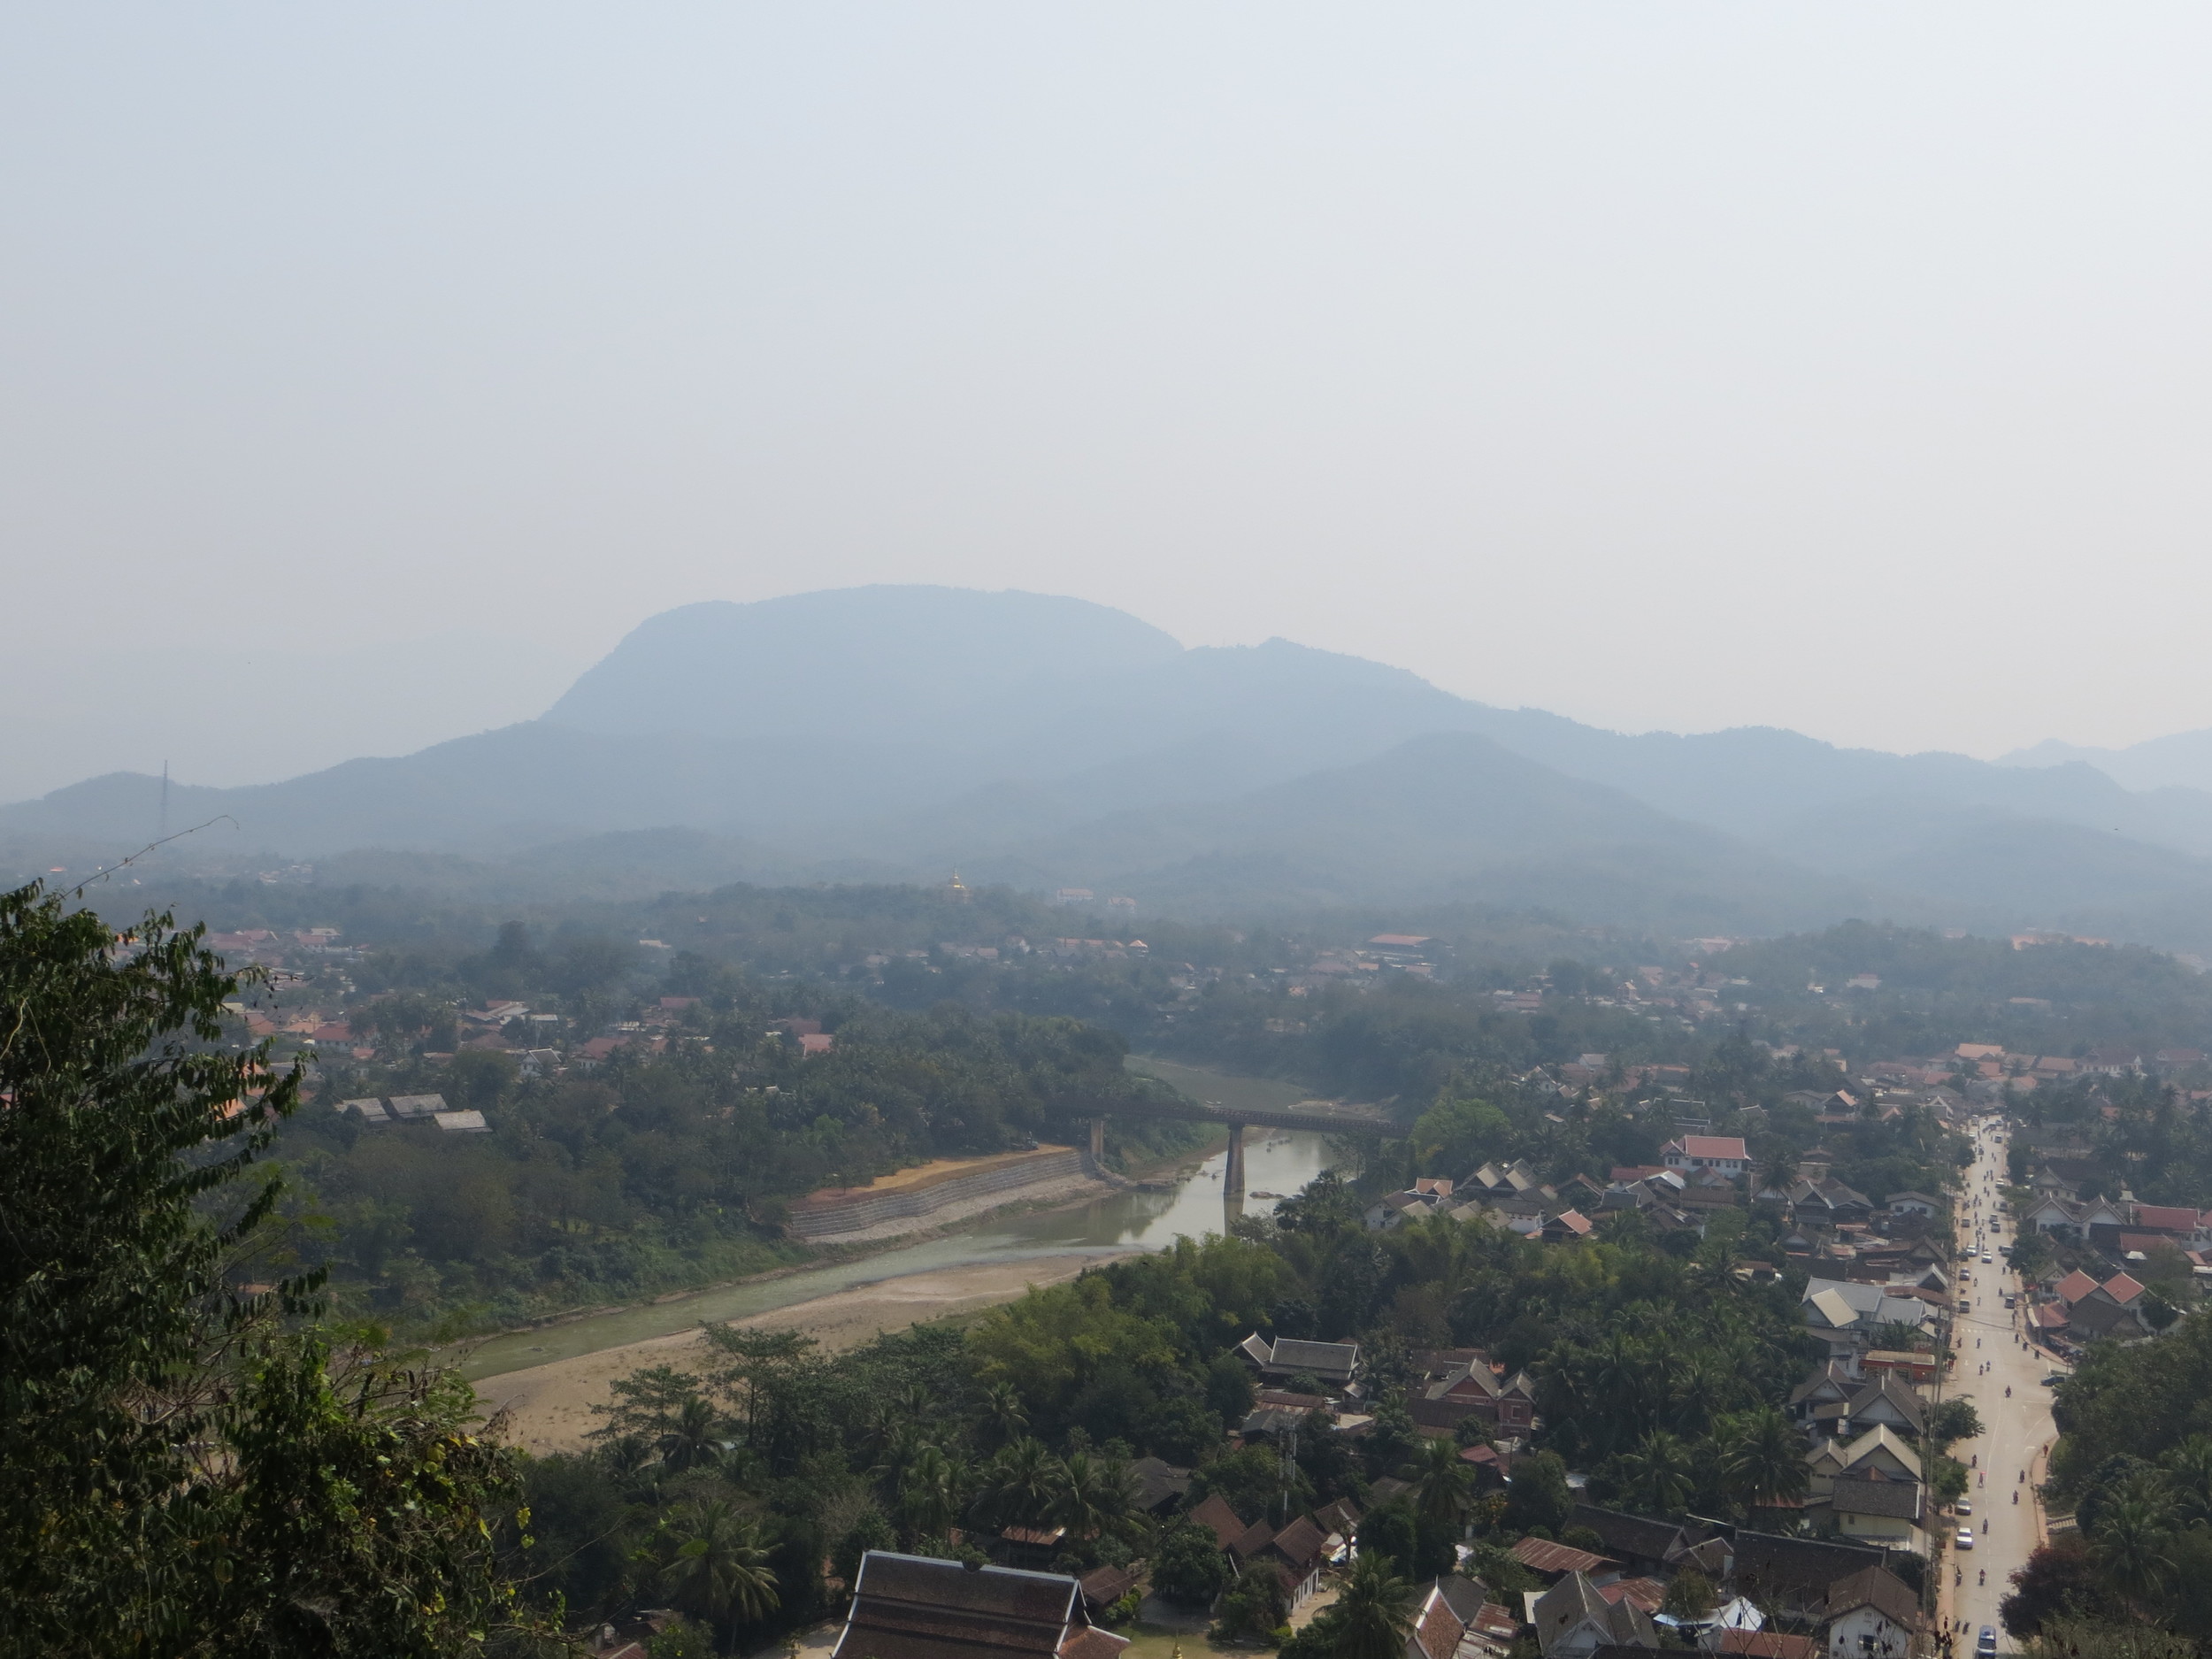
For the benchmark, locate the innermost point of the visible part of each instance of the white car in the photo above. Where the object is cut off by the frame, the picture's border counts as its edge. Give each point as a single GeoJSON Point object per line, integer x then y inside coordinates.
{"type": "Point", "coordinates": [1964, 1506]}
{"type": "Point", "coordinates": [1986, 1256]}
{"type": "Point", "coordinates": [1966, 1538]}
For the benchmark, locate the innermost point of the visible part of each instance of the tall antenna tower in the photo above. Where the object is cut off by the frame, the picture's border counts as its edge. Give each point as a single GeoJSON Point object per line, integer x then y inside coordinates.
{"type": "Point", "coordinates": [164, 800]}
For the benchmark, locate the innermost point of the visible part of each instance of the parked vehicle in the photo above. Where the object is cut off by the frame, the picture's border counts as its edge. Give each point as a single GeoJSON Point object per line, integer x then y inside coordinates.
{"type": "Point", "coordinates": [1966, 1538]}
{"type": "Point", "coordinates": [1985, 1645]}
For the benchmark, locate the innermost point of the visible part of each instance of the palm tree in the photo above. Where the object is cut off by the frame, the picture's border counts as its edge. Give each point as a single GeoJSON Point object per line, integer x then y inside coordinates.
{"type": "Point", "coordinates": [2130, 1545]}
{"type": "Point", "coordinates": [1093, 1496]}
{"type": "Point", "coordinates": [1374, 1610]}
{"type": "Point", "coordinates": [630, 1459]}
{"type": "Point", "coordinates": [1690, 1397]}
{"type": "Point", "coordinates": [695, 1440]}
{"type": "Point", "coordinates": [1776, 1172]}
{"type": "Point", "coordinates": [931, 1493]}
{"type": "Point", "coordinates": [1660, 1473]}
{"type": "Point", "coordinates": [901, 1447]}
{"type": "Point", "coordinates": [1019, 1486]}
{"type": "Point", "coordinates": [1004, 1411]}
{"type": "Point", "coordinates": [720, 1571]}
{"type": "Point", "coordinates": [2189, 1467]}
{"type": "Point", "coordinates": [1764, 1458]}
{"type": "Point", "coordinates": [1445, 1482]}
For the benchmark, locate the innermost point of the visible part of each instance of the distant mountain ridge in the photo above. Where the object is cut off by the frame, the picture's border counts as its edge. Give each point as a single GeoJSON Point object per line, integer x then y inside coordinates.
{"type": "Point", "coordinates": [2183, 760]}
{"type": "Point", "coordinates": [893, 733]}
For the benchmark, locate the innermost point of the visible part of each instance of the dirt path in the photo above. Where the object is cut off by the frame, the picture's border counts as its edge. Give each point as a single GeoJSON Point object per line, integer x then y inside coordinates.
{"type": "Point", "coordinates": [550, 1406]}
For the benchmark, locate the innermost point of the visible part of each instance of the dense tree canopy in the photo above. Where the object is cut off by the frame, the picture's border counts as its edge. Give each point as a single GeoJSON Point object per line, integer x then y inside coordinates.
{"type": "Point", "coordinates": [188, 1469]}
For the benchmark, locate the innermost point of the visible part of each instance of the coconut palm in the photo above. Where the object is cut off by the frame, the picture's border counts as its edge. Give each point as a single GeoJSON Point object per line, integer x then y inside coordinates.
{"type": "Point", "coordinates": [1093, 1496]}
{"type": "Point", "coordinates": [902, 1446]}
{"type": "Point", "coordinates": [1763, 1458]}
{"type": "Point", "coordinates": [2189, 1474]}
{"type": "Point", "coordinates": [1445, 1482]}
{"type": "Point", "coordinates": [931, 1493]}
{"type": "Point", "coordinates": [695, 1440]}
{"type": "Point", "coordinates": [1694, 1387]}
{"type": "Point", "coordinates": [1019, 1486]}
{"type": "Point", "coordinates": [1374, 1610]}
{"type": "Point", "coordinates": [632, 1462]}
{"type": "Point", "coordinates": [1660, 1473]}
{"type": "Point", "coordinates": [719, 1567]}
{"type": "Point", "coordinates": [1003, 1412]}
{"type": "Point", "coordinates": [2131, 1543]}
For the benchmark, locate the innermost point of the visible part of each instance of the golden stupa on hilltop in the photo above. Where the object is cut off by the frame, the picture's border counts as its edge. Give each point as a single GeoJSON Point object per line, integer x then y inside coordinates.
{"type": "Point", "coordinates": [956, 889]}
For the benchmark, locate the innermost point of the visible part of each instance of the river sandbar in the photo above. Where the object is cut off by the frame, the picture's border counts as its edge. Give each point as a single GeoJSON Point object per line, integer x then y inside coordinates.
{"type": "Point", "coordinates": [550, 1407]}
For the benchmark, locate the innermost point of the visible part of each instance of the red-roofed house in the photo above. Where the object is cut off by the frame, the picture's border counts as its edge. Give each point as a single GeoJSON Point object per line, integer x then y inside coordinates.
{"type": "Point", "coordinates": [2074, 1287]}
{"type": "Point", "coordinates": [1437, 1630]}
{"type": "Point", "coordinates": [2113, 1308]}
{"type": "Point", "coordinates": [1649, 1593]}
{"type": "Point", "coordinates": [1550, 1561]}
{"type": "Point", "coordinates": [1725, 1153]}
{"type": "Point", "coordinates": [2175, 1221]}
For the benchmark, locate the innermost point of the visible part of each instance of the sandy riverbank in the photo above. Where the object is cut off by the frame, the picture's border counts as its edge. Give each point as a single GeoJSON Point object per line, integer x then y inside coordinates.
{"type": "Point", "coordinates": [550, 1406]}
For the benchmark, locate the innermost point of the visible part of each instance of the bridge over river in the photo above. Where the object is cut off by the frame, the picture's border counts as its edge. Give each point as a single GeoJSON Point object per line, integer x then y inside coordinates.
{"type": "Point", "coordinates": [1330, 1117]}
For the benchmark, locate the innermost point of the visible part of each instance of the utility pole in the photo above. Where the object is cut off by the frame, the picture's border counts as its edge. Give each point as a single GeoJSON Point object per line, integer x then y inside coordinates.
{"type": "Point", "coordinates": [164, 800]}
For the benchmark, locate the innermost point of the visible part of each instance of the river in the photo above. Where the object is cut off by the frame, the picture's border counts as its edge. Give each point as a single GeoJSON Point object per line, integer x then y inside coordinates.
{"type": "Point", "coordinates": [1277, 1162]}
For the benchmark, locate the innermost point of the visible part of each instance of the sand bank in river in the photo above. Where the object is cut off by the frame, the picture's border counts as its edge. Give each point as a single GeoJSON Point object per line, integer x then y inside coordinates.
{"type": "Point", "coordinates": [550, 1406]}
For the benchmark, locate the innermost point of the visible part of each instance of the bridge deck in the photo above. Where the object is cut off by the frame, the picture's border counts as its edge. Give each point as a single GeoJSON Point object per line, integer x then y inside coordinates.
{"type": "Point", "coordinates": [1340, 1121]}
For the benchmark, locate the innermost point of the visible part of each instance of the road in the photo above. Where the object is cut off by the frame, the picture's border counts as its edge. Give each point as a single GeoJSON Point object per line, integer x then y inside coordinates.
{"type": "Point", "coordinates": [2016, 1431]}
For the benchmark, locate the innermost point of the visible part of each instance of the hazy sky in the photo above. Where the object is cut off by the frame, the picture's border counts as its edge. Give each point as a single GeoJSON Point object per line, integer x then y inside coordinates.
{"type": "Point", "coordinates": [364, 369]}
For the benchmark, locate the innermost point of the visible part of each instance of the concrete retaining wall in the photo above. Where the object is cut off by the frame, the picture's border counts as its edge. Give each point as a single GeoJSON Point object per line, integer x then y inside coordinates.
{"type": "Point", "coordinates": [811, 1220]}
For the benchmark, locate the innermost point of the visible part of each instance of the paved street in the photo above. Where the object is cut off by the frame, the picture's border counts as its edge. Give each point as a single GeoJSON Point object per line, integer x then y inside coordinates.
{"type": "Point", "coordinates": [2016, 1430]}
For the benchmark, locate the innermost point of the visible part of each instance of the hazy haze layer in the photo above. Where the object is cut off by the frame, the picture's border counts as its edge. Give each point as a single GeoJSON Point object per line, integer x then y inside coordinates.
{"type": "Point", "coordinates": [1670, 367]}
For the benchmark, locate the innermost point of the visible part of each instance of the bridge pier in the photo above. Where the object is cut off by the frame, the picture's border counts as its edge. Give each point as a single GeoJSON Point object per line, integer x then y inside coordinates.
{"type": "Point", "coordinates": [1232, 1177]}
{"type": "Point", "coordinates": [1098, 1140]}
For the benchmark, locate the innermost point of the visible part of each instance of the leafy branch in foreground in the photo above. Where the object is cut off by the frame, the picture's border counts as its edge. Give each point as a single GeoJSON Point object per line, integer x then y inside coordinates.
{"type": "Point", "coordinates": [187, 1469]}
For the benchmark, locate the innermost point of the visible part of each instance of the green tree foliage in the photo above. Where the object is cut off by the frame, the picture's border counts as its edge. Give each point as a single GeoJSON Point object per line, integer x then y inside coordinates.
{"type": "Point", "coordinates": [1373, 1611]}
{"type": "Point", "coordinates": [655, 1171]}
{"type": "Point", "coordinates": [2031, 1256]}
{"type": "Point", "coordinates": [715, 1563]}
{"type": "Point", "coordinates": [1762, 1457]}
{"type": "Point", "coordinates": [1540, 1496]}
{"type": "Point", "coordinates": [1391, 1531]}
{"type": "Point", "coordinates": [1445, 1484]}
{"type": "Point", "coordinates": [1953, 1421]}
{"type": "Point", "coordinates": [1691, 1595]}
{"type": "Point", "coordinates": [2139, 1399]}
{"type": "Point", "coordinates": [1252, 1607]}
{"type": "Point", "coordinates": [185, 1472]}
{"type": "Point", "coordinates": [2058, 1581]}
{"type": "Point", "coordinates": [2088, 1638]}
{"type": "Point", "coordinates": [1189, 1567]}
